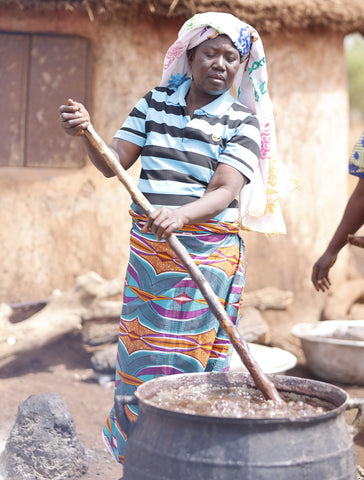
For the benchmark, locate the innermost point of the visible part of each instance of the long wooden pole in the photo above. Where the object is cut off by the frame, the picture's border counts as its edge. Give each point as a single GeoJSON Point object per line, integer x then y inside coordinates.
{"type": "Point", "coordinates": [262, 382]}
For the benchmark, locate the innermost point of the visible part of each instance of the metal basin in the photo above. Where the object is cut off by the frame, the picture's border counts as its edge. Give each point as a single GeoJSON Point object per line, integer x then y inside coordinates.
{"type": "Point", "coordinates": [334, 349]}
{"type": "Point", "coordinates": [270, 359]}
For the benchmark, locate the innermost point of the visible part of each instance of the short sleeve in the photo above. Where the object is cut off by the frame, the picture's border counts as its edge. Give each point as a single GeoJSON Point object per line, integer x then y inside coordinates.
{"type": "Point", "coordinates": [356, 160]}
{"type": "Point", "coordinates": [242, 151]}
{"type": "Point", "coordinates": [133, 129]}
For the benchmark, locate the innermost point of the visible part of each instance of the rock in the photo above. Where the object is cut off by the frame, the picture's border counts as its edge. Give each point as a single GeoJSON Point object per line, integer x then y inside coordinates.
{"type": "Point", "coordinates": [104, 361]}
{"type": "Point", "coordinates": [342, 298]}
{"type": "Point", "coordinates": [252, 327]}
{"type": "Point", "coordinates": [63, 313]}
{"type": "Point", "coordinates": [101, 332]}
{"type": "Point", "coordinates": [5, 313]}
{"type": "Point", "coordinates": [268, 298]}
{"type": "Point", "coordinates": [43, 443]}
{"type": "Point", "coordinates": [356, 312]}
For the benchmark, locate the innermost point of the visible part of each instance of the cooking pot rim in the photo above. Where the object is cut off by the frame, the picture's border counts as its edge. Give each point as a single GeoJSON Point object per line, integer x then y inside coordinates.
{"type": "Point", "coordinates": [283, 383]}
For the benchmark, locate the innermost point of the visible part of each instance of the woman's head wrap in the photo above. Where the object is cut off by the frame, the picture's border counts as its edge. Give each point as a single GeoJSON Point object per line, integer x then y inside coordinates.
{"type": "Point", "coordinates": [259, 200]}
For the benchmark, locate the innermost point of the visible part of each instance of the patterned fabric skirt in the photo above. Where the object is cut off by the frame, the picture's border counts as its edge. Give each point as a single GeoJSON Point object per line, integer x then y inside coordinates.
{"type": "Point", "coordinates": [166, 326]}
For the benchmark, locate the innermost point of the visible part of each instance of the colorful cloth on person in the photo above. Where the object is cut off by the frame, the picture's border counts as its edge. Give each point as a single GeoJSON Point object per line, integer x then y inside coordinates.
{"type": "Point", "coordinates": [166, 326]}
{"type": "Point", "coordinates": [259, 200]}
{"type": "Point", "coordinates": [356, 160]}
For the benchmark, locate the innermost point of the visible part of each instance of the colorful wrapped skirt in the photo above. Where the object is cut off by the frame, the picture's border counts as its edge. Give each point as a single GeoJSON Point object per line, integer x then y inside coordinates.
{"type": "Point", "coordinates": [166, 326]}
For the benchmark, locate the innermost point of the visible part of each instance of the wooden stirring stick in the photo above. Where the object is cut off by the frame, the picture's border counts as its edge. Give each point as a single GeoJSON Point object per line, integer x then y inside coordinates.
{"type": "Point", "coordinates": [261, 381]}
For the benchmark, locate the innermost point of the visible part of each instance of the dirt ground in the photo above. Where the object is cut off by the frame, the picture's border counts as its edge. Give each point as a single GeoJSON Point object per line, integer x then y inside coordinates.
{"type": "Point", "coordinates": [64, 367]}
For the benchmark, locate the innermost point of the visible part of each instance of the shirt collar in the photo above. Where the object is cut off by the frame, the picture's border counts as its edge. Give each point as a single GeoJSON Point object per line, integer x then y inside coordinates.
{"type": "Point", "coordinates": [216, 108]}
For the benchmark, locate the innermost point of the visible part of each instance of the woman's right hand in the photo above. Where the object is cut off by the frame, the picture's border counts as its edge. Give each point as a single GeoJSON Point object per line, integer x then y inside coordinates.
{"type": "Point", "coordinates": [74, 118]}
{"type": "Point", "coordinates": [164, 221]}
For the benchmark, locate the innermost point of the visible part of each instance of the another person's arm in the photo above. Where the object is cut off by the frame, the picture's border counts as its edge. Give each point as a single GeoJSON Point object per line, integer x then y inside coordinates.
{"type": "Point", "coordinates": [351, 221]}
{"type": "Point", "coordinates": [356, 240]}
{"type": "Point", "coordinates": [75, 119]}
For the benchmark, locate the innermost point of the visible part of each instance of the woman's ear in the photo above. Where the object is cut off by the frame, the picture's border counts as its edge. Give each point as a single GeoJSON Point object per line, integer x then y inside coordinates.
{"type": "Point", "coordinates": [190, 55]}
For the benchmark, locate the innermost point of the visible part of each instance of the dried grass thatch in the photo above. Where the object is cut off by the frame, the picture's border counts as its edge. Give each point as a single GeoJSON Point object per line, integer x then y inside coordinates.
{"type": "Point", "coordinates": [344, 16]}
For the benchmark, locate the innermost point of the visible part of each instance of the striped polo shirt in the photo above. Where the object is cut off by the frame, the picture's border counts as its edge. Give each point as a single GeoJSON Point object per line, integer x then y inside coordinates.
{"type": "Point", "coordinates": [180, 153]}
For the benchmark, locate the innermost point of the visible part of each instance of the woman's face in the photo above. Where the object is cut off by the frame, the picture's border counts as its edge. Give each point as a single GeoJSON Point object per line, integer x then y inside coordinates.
{"type": "Point", "coordinates": [214, 65]}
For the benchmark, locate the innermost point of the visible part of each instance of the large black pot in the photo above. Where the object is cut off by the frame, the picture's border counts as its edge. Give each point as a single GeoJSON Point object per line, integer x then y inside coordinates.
{"type": "Point", "coordinates": [166, 445]}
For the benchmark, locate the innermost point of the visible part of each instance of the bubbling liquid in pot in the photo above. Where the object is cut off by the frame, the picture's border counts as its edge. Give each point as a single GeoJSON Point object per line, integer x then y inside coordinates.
{"type": "Point", "coordinates": [237, 402]}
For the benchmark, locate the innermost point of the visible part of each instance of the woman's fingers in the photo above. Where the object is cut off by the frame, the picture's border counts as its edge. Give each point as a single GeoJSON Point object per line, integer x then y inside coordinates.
{"type": "Point", "coordinates": [162, 223]}
{"type": "Point", "coordinates": [320, 278]}
{"type": "Point", "coordinates": [74, 118]}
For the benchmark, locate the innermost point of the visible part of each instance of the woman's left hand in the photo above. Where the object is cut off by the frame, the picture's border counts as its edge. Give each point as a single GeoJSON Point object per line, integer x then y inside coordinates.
{"type": "Point", "coordinates": [164, 221]}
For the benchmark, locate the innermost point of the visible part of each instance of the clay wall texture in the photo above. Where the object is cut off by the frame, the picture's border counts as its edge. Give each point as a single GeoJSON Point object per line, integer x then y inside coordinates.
{"type": "Point", "coordinates": [60, 223]}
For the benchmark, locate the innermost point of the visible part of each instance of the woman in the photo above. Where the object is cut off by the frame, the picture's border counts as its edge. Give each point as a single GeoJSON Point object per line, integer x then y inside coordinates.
{"type": "Point", "coordinates": [200, 149]}
{"type": "Point", "coordinates": [352, 220]}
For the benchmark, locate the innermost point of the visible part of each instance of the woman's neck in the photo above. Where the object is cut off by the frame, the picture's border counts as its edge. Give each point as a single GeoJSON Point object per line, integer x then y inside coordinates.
{"type": "Point", "coordinates": [196, 100]}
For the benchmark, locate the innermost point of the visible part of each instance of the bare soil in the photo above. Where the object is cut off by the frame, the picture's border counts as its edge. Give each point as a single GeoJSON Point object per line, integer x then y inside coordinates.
{"type": "Point", "coordinates": [64, 367]}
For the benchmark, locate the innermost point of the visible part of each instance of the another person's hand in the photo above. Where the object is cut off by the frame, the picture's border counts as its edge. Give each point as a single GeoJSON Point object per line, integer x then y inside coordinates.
{"type": "Point", "coordinates": [164, 221]}
{"type": "Point", "coordinates": [356, 240]}
{"type": "Point", "coordinates": [320, 271]}
{"type": "Point", "coordinates": [74, 118]}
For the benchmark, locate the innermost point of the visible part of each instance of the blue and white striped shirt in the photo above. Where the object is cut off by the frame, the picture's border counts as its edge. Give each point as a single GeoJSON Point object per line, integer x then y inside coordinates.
{"type": "Point", "coordinates": [180, 154]}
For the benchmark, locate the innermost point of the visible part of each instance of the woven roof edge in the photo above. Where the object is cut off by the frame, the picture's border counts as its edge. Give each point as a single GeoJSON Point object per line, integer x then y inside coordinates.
{"type": "Point", "coordinates": [342, 16]}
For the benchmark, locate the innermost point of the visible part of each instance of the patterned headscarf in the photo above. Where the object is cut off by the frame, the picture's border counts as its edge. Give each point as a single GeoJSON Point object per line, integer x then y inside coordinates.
{"type": "Point", "coordinates": [356, 160]}
{"type": "Point", "coordinates": [259, 200]}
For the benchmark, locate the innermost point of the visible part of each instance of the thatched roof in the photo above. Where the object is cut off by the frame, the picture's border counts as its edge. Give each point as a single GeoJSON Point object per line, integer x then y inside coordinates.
{"type": "Point", "coordinates": [344, 16]}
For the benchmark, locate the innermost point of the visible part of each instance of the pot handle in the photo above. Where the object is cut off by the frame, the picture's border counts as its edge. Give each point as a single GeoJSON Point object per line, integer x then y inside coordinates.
{"type": "Point", "coordinates": [358, 422]}
{"type": "Point", "coordinates": [119, 402]}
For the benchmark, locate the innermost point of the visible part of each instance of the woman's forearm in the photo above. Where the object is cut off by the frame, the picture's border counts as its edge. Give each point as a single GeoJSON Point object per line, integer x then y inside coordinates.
{"type": "Point", "coordinates": [221, 191]}
{"type": "Point", "coordinates": [208, 206]}
{"type": "Point", "coordinates": [352, 220]}
{"type": "Point", "coordinates": [96, 157]}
